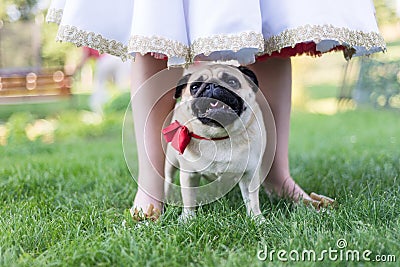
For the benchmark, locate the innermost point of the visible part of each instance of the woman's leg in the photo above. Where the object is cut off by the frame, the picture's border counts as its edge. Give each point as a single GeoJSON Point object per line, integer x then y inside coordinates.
{"type": "Point", "coordinates": [151, 106]}
{"type": "Point", "coordinates": [275, 81]}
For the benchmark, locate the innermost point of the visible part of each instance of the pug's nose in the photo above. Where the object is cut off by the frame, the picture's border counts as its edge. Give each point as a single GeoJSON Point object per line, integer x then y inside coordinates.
{"type": "Point", "coordinates": [211, 89]}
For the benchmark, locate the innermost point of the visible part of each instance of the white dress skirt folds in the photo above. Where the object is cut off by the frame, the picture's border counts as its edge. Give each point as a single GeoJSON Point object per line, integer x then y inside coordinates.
{"type": "Point", "coordinates": [184, 31]}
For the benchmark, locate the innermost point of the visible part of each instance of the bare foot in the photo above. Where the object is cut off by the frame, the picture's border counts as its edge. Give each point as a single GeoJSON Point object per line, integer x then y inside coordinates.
{"type": "Point", "coordinates": [145, 207]}
{"type": "Point", "coordinates": [285, 187]}
{"type": "Point", "coordinates": [288, 188]}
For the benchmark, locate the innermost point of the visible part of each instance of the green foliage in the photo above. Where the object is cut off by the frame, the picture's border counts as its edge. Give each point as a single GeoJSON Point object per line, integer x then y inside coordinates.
{"type": "Point", "coordinates": [16, 127]}
{"type": "Point", "coordinates": [43, 110]}
{"type": "Point", "coordinates": [18, 36]}
{"type": "Point", "coordinates": [119, 103]}
{"type": "Point", "coordinates": [379, 84]}
{"type": "Point", "coordinates": [385, 12]}
{"type": "Point", "coordinates": [25, 7]}
{"type": "Point", "coordinates": [54, 53]}
{"type": "Point", "coordinates": [24, 127]}
{"type": "Point", "coordinates": [82, 124]}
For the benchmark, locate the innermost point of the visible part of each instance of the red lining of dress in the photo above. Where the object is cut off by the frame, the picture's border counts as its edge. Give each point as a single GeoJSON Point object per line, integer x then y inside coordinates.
{"type": "Point", "coordinates": [306, 48]}
{"type": "Point", "coordinates": [309, 48]}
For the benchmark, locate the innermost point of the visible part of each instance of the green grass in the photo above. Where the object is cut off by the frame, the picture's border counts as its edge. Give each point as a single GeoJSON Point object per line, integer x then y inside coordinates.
{"type": "Point", "coordinates": [64, 204]}
{"type": "Point", "coordinates": [320, 91]}
{"type": "Point", "coordinates": [77, 101]}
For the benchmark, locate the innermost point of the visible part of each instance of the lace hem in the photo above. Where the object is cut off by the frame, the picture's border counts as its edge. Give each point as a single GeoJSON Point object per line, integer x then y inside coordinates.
{"type": "Point", "coordinates": [54, 15]}
{"type": "Point", "coordinates": [227, 42]}
{"type": "Point", "coordinates": [350, 40]}
{"type": "Point", "coordinates": [156, 44]}
{"type": "Point", "coordinates": [79, 37]}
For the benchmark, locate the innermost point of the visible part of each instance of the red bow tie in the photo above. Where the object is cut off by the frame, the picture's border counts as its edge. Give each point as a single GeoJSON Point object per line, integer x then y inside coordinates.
{"type": "Point", "coordinates": [179, 136]}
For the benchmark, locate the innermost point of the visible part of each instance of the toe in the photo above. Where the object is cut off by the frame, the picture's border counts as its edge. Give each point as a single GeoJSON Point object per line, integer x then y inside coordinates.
{"type": "Point", "coordinates": [151, 213]}
{"type": "Point", "coordinates": [324, 200]}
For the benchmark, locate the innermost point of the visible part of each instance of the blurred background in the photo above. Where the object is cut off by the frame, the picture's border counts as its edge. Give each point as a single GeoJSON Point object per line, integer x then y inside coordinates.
{"type": "Point", "coordinates": [45, 84]}
{"type": "Point", "coordinates": [329, 84]}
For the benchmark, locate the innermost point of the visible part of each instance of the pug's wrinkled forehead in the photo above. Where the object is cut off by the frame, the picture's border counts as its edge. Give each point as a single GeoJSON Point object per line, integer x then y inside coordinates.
{"type": "Point", "coordinates": [222, 74]}
{"type": "Point", "coordinates": [226, 75]}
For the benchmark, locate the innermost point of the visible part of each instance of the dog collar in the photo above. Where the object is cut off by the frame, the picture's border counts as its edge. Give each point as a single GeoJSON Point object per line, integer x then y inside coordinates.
{"type": "Point", "coordinates": [179, 136]}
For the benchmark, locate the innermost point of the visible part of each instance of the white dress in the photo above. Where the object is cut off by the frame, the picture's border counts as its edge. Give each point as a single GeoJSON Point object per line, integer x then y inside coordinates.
{"type": "Point", "coordinates": [245, 30]}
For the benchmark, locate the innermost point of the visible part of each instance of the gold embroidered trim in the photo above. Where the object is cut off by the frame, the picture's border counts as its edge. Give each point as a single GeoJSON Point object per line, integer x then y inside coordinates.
{"type": "Point", "coordinates": [318, 33]}
{"type": "Point", "coordinates": [220, 42]}
{"type": "Point", "coordinates": [371, 41]}
{"type": "Point", "coordinates": [79, 37]}
{"type": "Point", "coordinates": [157, 44]}
{"type": "Point", "coordinates": [54, 15]}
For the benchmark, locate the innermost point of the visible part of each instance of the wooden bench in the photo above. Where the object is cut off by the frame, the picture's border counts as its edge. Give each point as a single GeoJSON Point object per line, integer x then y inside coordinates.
{"type": "Point", "coordinates": [34, 86]}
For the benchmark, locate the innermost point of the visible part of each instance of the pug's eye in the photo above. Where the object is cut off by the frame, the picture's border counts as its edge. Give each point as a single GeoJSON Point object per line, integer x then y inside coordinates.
{"type": "Point", "coordinates": [194, 87]}
{"type": "Point", "coordinates": [233, 83]}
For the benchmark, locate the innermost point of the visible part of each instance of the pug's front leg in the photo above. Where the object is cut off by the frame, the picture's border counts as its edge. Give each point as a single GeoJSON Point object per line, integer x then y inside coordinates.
{"type": "Point", "coordinates": [249, 186]}
{"type": "Point", "coordinates": [189, 186]}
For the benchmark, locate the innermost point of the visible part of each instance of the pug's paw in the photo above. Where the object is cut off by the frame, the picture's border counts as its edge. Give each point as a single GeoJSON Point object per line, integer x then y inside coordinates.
{"type": "Point", "coordinates": [259, 219]}
{"type": "Point", "coordinates": [187, 216]}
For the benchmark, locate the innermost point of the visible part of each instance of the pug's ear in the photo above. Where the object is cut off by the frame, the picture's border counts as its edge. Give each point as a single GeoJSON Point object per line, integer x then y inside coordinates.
{"type": "Point", "coordinates": [250, 75]}
{"type": "Point", "coordinates": [181, 85]}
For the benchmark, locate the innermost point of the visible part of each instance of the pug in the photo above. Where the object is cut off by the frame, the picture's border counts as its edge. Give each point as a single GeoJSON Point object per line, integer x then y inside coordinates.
{"type": "Point", "coordinates": [217, 133]}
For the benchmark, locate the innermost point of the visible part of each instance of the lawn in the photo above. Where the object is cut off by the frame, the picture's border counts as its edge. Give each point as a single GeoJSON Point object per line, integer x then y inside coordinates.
{"type": "Point", "coordinates": [64, 203]}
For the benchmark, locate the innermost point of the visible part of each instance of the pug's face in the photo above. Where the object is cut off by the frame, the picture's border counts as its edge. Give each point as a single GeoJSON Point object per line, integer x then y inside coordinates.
{"type": "Point", "coordinates": [218, 94]}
